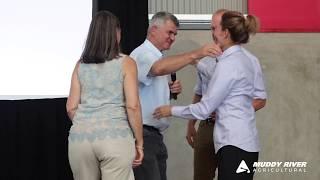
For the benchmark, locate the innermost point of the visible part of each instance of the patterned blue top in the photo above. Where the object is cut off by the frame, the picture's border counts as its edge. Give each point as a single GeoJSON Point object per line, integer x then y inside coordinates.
{"type": "Point", "coordinates": [101, 113]}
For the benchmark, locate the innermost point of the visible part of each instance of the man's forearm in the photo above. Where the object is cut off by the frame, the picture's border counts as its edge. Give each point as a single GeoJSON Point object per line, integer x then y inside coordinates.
{"type": "Point", "coordinates": [173, 63]}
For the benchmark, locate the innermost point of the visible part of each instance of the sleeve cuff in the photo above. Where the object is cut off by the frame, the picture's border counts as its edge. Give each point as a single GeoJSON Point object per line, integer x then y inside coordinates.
{"type": "Point", "coordinates": [176, 111]}
{"type": "Point", "coordinates": [260, 96]}
{"type": "Point", "coordinates": [181, 112]}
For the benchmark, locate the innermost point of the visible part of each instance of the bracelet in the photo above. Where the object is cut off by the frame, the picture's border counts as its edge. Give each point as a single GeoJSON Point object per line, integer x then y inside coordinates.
{"type": "Point", "coordinates": [139, 147]}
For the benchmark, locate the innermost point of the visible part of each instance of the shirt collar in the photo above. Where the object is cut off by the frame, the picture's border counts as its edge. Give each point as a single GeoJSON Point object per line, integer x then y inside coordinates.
{"type": "Point", "coordinates": [153, 49]}
{"type": "Point", "coordinates": [228, 52]}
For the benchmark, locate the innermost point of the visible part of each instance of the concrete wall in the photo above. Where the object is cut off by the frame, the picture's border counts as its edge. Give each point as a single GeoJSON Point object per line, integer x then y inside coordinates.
{"type": "Point", "coordinates": [289, 126]}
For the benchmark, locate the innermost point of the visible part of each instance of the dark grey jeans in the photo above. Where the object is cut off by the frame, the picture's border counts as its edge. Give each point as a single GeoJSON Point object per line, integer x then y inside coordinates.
{"type": "Point", "coordinates": [154, 164]}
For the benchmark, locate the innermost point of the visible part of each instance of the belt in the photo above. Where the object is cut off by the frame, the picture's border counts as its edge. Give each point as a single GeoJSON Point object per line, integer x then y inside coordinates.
{"type": "Point", "coordinates": [209, 120]}
{"type": "Point", "coordinates": [151, 128]}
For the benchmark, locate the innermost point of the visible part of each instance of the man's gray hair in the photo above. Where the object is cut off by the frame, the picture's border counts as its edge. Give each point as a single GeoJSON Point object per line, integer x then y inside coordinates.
{"type": "Point", "coordinates": [161, 17]}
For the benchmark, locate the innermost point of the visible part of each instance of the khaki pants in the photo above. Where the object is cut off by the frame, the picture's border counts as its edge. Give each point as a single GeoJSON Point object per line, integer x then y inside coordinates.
{"type": "Point", "coordinates": [102, 159]}
{"type": "Point", "coordinates": [205, 160]}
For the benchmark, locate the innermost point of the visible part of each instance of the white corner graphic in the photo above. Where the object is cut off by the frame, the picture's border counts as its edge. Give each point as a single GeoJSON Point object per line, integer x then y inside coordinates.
{"type": "Point", "coordinates": [243, 167]}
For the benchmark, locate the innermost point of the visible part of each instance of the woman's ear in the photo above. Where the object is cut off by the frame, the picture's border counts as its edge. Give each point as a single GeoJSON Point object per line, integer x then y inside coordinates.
{"type": "Point", "coordinates": [226, 34]}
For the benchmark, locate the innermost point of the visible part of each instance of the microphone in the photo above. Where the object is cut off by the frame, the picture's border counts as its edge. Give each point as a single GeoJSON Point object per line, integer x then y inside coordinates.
{"type": "Point", "coordinates": [173, 79]}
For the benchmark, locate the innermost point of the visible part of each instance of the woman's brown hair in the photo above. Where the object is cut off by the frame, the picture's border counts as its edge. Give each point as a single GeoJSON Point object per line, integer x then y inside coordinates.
{"type": "Point", "coordinates": [239, 26]}
{"type": "Point", "coordinates": [102, 44]}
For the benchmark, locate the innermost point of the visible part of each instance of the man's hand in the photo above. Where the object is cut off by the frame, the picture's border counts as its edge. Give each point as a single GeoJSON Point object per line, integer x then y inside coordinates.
{"type": "Point", "coordinates": [211, 49]}
{"type": "Point", "coordinates": [213, 117]}
{"type": "Point", "coordinates": [191, 132]}
{"type": "Point", "coordinates": [175, 87]}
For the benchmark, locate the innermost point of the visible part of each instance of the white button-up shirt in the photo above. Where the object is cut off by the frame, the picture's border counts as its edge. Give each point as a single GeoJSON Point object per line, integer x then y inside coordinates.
{"type": "Point", "coordinates": [205, 69]}
{"type": "Point", "coordinates": [153, 90]}
{"type": "Point", "coordinates": [230, 93]}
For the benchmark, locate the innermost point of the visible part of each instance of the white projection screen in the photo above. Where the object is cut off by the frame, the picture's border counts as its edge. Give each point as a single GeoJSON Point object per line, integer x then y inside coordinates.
{"type": "Point", "coordinates": [40, 42]}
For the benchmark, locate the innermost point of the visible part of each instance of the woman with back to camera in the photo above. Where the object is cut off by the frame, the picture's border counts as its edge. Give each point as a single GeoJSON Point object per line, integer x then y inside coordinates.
{"type": "Point", "coordinates": [230, 94]}
{"type": "Point", "coordinates": [105, 140]}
